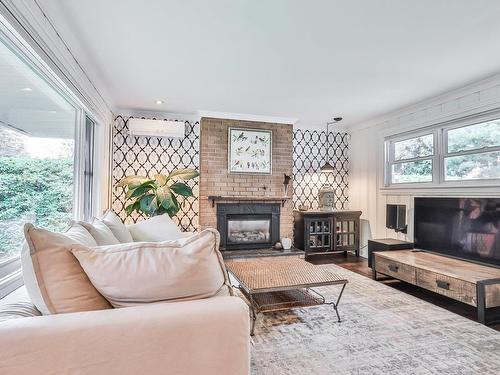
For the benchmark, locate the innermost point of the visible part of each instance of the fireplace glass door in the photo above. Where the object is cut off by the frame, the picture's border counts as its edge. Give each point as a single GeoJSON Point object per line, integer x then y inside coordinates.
{"type": "Point", "coordinates": [252, 231]}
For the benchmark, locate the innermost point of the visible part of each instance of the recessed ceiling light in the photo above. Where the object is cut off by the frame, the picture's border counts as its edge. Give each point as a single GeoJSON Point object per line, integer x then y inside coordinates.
{"type": "Point", "coordinates": [53, 112]}
{"type": "Point", "coordinates": [159, 102]}
{"type": "Point", "coordinates": [27, 89]}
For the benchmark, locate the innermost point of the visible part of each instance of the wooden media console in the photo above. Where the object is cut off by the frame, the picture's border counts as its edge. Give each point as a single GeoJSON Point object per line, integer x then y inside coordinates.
{"type": "Point", "coordinates": [474, 284]}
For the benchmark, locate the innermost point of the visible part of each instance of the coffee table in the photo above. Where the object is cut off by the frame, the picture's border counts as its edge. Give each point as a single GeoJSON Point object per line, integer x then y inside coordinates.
{"type": "Point", "coordinates": [282, 283]}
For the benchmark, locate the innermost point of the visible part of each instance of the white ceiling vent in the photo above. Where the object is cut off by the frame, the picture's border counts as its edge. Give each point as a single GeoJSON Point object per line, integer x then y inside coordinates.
{"type": "Point", "coordinates": [156, 128]}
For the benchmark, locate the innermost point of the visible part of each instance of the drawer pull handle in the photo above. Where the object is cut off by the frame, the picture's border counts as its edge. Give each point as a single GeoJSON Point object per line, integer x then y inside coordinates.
{"type": "Point", "coordinates": [443, 284]}
{"type": "Point", "coordinates": [393, 268]}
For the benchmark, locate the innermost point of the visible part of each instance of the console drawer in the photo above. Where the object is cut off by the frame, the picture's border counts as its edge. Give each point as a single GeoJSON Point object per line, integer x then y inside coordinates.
{"type": "Point", "coordinates": [459, 290]}
{"type": "Point", "coordinates": [395, 269]}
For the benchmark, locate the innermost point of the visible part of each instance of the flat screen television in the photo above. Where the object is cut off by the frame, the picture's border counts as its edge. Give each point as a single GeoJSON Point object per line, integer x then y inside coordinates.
{"type": "Point", "coordinates": [467, 228]}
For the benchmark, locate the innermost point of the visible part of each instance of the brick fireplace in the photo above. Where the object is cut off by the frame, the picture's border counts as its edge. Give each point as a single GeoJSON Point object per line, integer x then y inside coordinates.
{"type": "Point", "coordinates": [244, 189]}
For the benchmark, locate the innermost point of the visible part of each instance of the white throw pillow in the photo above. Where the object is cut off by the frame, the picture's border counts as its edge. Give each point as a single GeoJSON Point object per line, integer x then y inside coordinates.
{"type": "Point", "coordinates": [146, 272]}
{"type": "Point", "coordinates": [115, 224]}
{"type": "Point", "coordinates": [155, 229]}
{"type": "Point", "coordinates": [100, 231]}
{"type": "Point", "coordinates": [79, 234]}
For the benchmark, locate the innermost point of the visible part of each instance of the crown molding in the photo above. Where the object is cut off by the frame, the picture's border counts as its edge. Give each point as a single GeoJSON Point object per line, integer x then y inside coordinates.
{"type": "Point", "coordinates": [413, 113]}
{"type": "Point", "coordinates": [247, 117]}
{"type": "Point", "coordinates": [127, 112]}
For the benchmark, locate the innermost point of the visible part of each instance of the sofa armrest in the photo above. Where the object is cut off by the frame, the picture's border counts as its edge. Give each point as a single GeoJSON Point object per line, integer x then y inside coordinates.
{"type": "Point", "coordinates": [208, 336]}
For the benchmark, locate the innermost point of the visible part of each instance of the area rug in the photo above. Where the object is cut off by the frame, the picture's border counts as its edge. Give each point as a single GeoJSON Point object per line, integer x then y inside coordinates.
{"type": "Point", "coordinates": [383, 331]}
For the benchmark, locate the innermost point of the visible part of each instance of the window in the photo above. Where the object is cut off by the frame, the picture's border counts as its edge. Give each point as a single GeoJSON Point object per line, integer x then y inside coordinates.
{"type": "Point", "coordinates": [445, 154]}
{"type": "Point", "coordinates": [473, 152]}
{"type": "Point", "coordinates": [411, 159]}
{"type": "Point", "coordinates": [39, 140]}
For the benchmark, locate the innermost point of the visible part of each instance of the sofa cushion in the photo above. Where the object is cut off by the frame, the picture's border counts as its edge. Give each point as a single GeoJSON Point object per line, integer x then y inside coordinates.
{"type": "Point", "coordinates": [22, 309]}
{"type": "Point", "coordinates": [100, 231]}
{"type": "Point", "coordinates": [55, 281]}
{"type": "Point", "coordinates": [17, 305]}
{"type": "Point", "coordinates": [155, 229]}
{"type": "Point", "coordinates": [144, 272]}
{"type": "Point", "coordinates": [115, 224]}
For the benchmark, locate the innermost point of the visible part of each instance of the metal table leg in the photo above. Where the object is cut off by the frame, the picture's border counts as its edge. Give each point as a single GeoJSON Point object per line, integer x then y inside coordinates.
{"type": "Point", "coordinates": [254, 314]}
{"type": "Point", "coordinates": [336, 304]}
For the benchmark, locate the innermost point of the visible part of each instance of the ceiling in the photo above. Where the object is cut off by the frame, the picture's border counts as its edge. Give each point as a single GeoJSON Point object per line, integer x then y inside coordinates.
{"type": "Point", "coordinates": [28, 104]}
{"type": "Point", "coordinates": [309, 60]}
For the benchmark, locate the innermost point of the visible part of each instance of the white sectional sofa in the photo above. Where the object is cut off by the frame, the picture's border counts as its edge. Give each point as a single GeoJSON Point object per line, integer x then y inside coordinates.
{"type": "Point", "coordinates": [208, 336]}
{"type": "Point", "coordinates": [194, 336]}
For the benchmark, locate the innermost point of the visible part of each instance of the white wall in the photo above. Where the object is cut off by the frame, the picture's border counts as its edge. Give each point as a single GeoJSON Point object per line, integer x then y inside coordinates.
{"type": "Point", "coordinates": [367, 192]}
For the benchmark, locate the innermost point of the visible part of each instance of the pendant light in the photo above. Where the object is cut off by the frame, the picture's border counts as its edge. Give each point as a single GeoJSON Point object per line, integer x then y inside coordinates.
{"type": "Point", "coordinates": [327, 167]}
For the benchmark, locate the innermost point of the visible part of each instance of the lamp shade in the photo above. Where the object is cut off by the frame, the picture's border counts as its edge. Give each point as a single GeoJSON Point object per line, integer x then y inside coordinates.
{"type": "Point", "coordinates": [327, 168]}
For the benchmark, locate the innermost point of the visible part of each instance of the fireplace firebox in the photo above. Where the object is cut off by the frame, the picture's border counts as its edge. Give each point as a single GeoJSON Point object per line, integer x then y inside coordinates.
{"type": "Point", "coordinates": [248, 225]}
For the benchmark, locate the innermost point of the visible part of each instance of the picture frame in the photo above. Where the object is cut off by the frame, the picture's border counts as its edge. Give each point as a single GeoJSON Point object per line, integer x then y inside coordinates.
{"type": "Point", "coordinates": [250, 151]}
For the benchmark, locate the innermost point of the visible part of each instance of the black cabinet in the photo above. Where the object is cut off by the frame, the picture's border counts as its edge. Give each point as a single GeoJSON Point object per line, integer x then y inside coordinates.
{"type": "Point", "coordinates": [319, 232]}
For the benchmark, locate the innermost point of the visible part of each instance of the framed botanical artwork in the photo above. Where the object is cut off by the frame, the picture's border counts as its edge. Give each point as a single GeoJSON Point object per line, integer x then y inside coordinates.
{"type": "Point", "coordinates": [250, 151]}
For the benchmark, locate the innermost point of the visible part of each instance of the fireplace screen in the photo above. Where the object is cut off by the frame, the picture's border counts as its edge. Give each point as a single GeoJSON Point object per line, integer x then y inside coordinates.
{"type": "Point", "coordinates": [248, 231]}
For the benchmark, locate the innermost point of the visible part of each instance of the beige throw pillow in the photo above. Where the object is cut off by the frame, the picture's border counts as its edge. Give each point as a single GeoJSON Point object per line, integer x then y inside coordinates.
{"type": "Point", "coordinates": [145, 272]}
{"type": "Point", "coordinates": [54, 279]}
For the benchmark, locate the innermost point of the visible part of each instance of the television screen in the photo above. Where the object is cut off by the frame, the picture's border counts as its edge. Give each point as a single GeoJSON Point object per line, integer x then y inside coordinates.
{"type": "Point", "coordinates": [462, 227]}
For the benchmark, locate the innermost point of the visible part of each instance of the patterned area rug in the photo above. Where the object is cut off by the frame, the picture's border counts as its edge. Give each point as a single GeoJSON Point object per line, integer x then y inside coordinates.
{"type": "Point", "coordinates": [383, 331]}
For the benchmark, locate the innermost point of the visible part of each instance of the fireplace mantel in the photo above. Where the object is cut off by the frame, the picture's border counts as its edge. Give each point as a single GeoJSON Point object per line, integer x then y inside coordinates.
{"type": "Point", "coordinates": [247, 198]}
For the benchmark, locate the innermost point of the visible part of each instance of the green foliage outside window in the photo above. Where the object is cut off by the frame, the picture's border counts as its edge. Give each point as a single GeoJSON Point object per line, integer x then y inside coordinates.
{"type": "Point", "coordinates": [481, 165]}
{"type": "Point", "coordinates": [36, 190]}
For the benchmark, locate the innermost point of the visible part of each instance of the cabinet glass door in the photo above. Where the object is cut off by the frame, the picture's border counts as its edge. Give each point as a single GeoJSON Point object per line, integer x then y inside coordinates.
{"type": "Point", "coordinates": [345, 234]}
{"type": "Point", "coordinates": [319, 235]}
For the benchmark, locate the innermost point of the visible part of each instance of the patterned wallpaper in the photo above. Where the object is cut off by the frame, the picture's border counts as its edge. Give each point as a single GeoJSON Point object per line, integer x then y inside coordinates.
{"type": "Point", "coordinates": [310, 151]}
{"type": "Point", "coordinates": [151, 155]}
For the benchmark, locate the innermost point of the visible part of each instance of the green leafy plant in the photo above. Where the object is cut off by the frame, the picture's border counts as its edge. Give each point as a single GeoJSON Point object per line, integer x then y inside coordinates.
{"type": "Point", "coordinates": [157, 195]}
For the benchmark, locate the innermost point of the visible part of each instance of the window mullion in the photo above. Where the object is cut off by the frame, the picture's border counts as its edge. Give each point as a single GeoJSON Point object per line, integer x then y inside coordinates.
{"type": "Point", "coordinates": [473, 152]}
{"type": "Point", "coordinates": [438, 169]}
{"type": "Point", "coordinates": [402, 161]}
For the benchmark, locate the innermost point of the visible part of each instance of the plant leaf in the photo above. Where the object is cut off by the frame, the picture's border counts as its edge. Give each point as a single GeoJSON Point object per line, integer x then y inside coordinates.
{"type": "Point", "coordinates": [174, 207]}
{"type": "Point", "coordinates": [129, 192]}
{"type": "Point", "coordinates": [132, 207]}
{"type": "Point", "coordinates": [164, 196]}
{"type": "Point", "coordinates": [129, 209]}
{"type": "Point", "coordinates": [184, 174]}
{"type": "Point", "coordinates": [182, 189]}
{"type": "Point", "coordinates": [131, 181]}
{"type": "Point", "coordinates": [140, 190]}
{"type": "Point", "coordinates": [161, 179]}
{"type": "Point", "coordinates": [148, 204]}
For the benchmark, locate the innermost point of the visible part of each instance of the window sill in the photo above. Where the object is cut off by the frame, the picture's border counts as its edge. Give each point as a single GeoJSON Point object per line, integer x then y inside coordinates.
{"type": "Point", "coordinates": [469, 188]}
{"type": "Point", "coordinates": [10, 283]}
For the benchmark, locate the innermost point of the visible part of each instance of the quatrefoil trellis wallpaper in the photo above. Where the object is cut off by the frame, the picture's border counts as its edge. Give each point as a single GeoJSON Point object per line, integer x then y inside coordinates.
{"type": "Point", "coordinates": [148, 156]}
{"type": "Point", "coordinates": [151, 155]}
{"type": "Point", "coordinates": [310, 152]}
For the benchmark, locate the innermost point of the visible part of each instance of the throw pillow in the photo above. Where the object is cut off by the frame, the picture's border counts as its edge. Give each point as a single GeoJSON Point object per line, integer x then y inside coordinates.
{"type": "Point", "coordinates": [115, 224]}
{"type": "Point", "coordinates": [55, 281]}
{"type": "Point", "coordinates": [100, 231]}
{"type": "Point", "coordinates": [138, 273]}
{"type": "Point", "coordinates": [155, 229]}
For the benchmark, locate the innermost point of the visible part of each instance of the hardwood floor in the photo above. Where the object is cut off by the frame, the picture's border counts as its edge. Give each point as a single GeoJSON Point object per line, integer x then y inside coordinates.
{"type": "Point", "coordinates": [360, 266]}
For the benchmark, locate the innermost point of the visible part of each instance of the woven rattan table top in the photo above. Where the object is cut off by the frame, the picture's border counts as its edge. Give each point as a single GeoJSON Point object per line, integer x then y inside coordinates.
{"type": "Point", "coordinates": [280, 273]}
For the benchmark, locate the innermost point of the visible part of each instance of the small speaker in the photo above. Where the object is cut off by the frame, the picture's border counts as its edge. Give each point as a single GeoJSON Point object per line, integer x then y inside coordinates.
{"type": "Point", "coordinates": [396, 217]}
